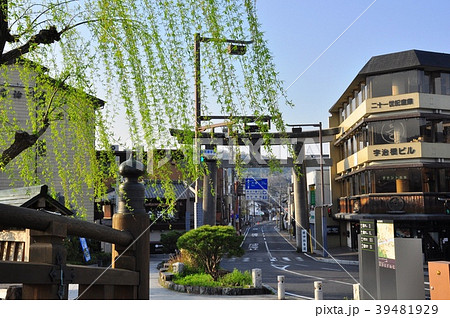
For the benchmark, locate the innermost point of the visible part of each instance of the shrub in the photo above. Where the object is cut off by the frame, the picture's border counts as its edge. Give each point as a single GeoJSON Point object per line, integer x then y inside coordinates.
{"type": "Point", "coordinates": [196, 280]}
{"type": "Point", "coordinates": [190, 266]}
{"type": "Point", "coordinates": [209, 244]}
{"type": "Point", "coordinates": [169, 241]}
{"type": "Point", "coordinates": [236, 278]}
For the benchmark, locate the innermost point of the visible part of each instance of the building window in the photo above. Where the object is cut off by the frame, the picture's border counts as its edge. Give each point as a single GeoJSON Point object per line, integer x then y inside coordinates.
{"type": "Point", "coordinates": [412, 81]}
{"type": "Point", "coordinates": [409, 130]}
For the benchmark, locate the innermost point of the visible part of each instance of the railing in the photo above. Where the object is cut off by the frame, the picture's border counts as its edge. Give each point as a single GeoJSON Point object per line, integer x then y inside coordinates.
{"type": "Point", "coordinates": [46, 275]}
{"type": "Point", "coordinates": [386, 203]}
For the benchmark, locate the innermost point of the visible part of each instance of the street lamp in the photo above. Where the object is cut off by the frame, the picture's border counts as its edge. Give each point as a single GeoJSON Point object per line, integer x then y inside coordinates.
{"type": "Point", "coordinates": [235, 47]}
{"type": "Point", "coordinates": [322, 186]}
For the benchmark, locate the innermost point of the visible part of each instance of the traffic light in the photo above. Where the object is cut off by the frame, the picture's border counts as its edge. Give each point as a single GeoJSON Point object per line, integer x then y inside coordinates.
{"type": "Point", "coordinates": [447, 207]}
{"type": "Point", "coordinates": [329, 212]}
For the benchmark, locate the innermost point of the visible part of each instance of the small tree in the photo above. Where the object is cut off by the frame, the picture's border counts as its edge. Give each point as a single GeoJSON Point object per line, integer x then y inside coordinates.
{"type": "Point", "coordinates": [209, 244]}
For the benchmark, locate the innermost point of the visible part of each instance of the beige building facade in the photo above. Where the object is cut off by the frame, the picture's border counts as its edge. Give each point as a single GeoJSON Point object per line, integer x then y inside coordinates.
{"type": "Point", "coordinates": [50, 155]}
{"type": "Point", "coordinates": [391, 159]}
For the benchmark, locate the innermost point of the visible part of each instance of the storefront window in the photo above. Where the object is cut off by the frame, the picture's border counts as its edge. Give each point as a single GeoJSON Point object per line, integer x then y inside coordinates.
{"type": "Point", "coordinates": [397, 180]}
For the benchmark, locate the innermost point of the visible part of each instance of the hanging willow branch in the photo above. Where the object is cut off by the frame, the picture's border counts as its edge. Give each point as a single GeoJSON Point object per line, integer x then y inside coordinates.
{"type": "Point", "coordinates": [137, 56]}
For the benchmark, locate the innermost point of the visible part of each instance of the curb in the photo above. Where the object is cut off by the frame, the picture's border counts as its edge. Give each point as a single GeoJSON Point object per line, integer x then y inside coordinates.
{"type": "Point", "coordinates": [165, 281]}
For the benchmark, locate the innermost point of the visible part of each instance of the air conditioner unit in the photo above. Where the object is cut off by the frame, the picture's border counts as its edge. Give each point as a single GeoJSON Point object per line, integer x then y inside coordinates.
{"type": "Point", "coordinates": [115, 147]}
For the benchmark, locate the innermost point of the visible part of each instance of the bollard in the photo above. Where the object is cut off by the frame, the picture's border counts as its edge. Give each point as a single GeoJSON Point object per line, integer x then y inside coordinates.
{"type": "Point", "coordinates": [356, 292]}
{"type": "Point", "coordinates": [318, 293]}
{"type": "Point", "coordinates": [281, 291]}
{"type": "Point", "coordinates": [257, 278]}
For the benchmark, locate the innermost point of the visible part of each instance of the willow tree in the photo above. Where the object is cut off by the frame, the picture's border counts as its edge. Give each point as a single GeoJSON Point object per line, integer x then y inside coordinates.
{"type": "Point", "coordinates": [138, 57]}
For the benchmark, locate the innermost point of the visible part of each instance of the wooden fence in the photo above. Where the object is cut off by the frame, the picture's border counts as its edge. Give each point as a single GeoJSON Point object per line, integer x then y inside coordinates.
{"type": "Point", "coordinates": [46, 275]}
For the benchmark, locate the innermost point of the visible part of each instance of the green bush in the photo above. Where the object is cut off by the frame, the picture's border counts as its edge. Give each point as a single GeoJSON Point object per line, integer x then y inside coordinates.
{"type": "Point", "coordinates": [233, 279]}
{"type": "Point", "coordinates": [201, 279]}
{"type": "Point", "coordinates": [169, 241]}
{"type": "Point", "coordinates": [236, 278]}
{"type": "Point", "coordinates": [209, 244]}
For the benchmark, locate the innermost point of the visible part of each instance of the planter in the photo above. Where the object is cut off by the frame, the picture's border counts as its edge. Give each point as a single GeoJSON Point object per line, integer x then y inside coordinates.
{"type": "Point", "coordinates": [165, 280]}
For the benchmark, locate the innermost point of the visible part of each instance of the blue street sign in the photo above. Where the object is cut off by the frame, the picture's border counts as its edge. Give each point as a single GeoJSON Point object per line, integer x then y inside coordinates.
{"type": "Point", "coordinates": [255, 184]}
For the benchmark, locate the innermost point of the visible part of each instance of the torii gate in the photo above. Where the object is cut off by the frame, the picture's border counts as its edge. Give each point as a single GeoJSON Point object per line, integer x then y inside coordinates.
{"type": "Point", "coordinates": [297, 138]}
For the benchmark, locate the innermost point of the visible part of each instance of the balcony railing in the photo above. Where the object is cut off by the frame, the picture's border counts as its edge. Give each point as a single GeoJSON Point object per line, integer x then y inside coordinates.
{"type": "Point", "coordinates": [394, 203]}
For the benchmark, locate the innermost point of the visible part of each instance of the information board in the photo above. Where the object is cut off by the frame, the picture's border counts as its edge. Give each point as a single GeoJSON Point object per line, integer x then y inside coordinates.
{"type": "Point", "coordinates": [256, 189]}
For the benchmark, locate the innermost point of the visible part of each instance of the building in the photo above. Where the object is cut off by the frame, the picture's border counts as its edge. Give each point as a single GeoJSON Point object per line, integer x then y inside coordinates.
{"type": "Point", "coordinates": [62, 156]}
{"type": "Point", "coordinates": [391, 160]}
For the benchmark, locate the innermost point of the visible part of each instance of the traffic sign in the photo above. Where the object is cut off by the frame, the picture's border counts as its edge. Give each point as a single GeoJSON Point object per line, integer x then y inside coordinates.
{"type": "Point", "coordinates": [255, 184]}
{"type": "Point", "coordinates": [256, 189]}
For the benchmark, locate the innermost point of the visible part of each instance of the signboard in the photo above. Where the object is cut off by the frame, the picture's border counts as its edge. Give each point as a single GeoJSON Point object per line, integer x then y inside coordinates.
{"type": "Point", "coordinates": [304, 241]}
{"type": "Point", "coordinates": [368, 236]}
{"type": "Point", "coordinates": [85, 248]}
{"type": "Point", "coordinates": [395, 151]}
{"type": "Point", "coordinates": [386, 245]}
{"type": "Point", "coordinates": [256, 189]}
{"type": "Point", "coordinates": [255, 184]}
{"type": "Point", "coordinates": [312, 195]}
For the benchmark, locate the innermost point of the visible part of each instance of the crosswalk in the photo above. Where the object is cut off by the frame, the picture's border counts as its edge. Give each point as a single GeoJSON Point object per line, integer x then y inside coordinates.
{"type": "Point", "coordinates": [265, 259]}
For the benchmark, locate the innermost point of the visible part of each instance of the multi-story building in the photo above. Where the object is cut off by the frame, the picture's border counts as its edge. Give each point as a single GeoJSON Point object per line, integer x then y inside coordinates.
{"type": "Point", "coordinates": [391, 160]}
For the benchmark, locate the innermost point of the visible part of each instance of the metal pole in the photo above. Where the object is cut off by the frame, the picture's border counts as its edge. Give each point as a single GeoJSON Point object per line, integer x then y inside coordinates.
{"type": "Point", "coordinates": [322, 195]}
{"type": "Point", "coordinates": [197, 114]}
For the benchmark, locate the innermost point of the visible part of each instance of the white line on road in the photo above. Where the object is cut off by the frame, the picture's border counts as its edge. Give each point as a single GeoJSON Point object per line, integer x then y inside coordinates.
{"type": "Point", "coordinates": [330, 269]}
{"type": "Point", "coordinates": [299, 296]}
{"type": "Point", "coordinates": [295, 273]}
{"type": "Point", "coordinates": [287, 259]}
{"type": "Point", "coordinates": [298, 258]}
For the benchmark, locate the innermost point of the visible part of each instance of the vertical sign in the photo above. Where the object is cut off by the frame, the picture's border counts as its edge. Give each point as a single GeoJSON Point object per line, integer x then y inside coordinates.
{"type": "Point", "coordinates": [368, 266]}
{"type": "Point", "coordinates": [386, 245]}
{"type": "Point", "coordinates": [85, 248]}
{"type": "Point", "coordinates": [304, 241]}
{"type": "Point", "coordinates": [368, 236]}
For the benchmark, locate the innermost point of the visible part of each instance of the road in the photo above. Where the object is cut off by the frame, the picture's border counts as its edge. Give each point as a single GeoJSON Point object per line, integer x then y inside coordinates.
{"type": "Point", "coordinates": [266, 249]}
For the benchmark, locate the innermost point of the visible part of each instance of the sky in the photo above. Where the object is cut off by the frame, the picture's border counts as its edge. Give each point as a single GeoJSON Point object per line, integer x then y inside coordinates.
{"type": "Point", "coordinates": [320, 46]}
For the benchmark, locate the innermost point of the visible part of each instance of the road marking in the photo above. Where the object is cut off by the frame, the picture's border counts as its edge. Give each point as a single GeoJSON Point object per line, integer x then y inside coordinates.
{"type": "Point", "coordinates": [311, 276]}
{"type": "Point", "coordinates": [254, 234]}
{"type": "Point", "coordinates": [299, 296]}
{"type": "Point", "coordinates": [287, 259]}
{"type": "Point", "coordinates": [253, 246]}
{"type": "Point", "coordinates": [339, 282]}
{"type": "Point", "coordinates": [273, 259]}
{"type": "Point", "coordinates": [298, 258]}
{"type": "Point", "coordinates": [246, 259]}
{"type": "Point", "coordinates": [330, 269]}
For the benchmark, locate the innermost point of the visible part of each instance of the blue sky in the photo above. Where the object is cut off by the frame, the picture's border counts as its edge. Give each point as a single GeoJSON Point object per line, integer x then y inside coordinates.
{"type": "Point", "coordinates": [298, 32]}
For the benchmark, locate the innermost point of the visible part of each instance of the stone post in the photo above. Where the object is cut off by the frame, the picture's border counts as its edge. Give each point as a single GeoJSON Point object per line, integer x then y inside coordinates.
{"type": "Point", "coordinates": [131, 216]}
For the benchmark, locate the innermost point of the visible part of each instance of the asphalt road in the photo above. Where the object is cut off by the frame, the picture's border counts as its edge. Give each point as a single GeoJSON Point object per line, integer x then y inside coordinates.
{"type": "Point", "coordinates": [266, 249]}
